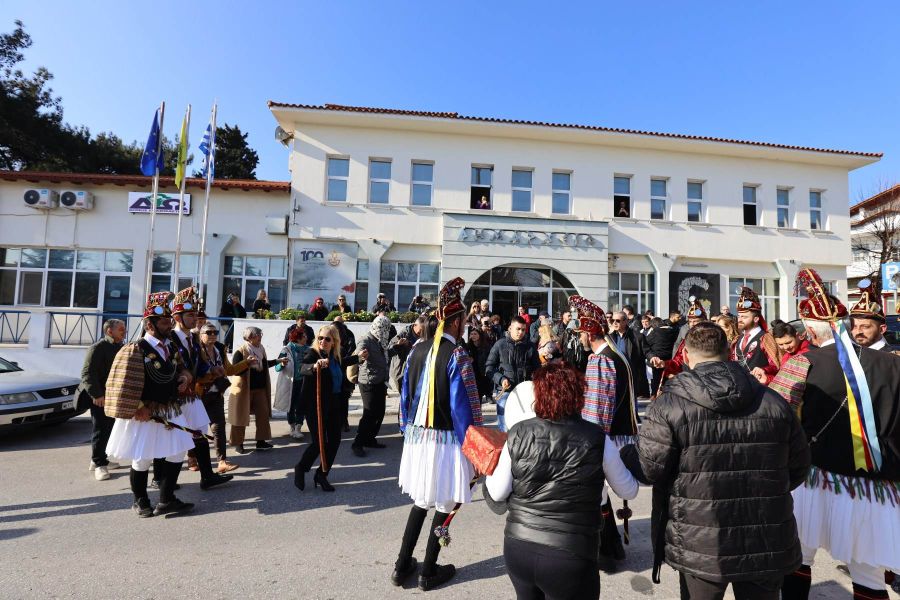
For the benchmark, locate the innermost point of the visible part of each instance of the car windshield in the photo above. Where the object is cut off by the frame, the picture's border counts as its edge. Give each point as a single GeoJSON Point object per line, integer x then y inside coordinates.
{"type": "Point", "coordinates": [7, 367]}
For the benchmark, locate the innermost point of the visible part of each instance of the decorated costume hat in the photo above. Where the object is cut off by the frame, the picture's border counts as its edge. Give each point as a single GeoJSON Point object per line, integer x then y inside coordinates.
{"type": "Point", "coordinates": [591, 318]}
{"type": "Point", "coordinates": [818, 305]}
{"type": "Point", "coordinates": [449, 300]}
{"type": "Point", "coordinates": [866, 307]}
{"type": "Point", "coordinates": [695, 308]}
{"type": "Point", "coordinates": [748, 301]}
{"type": "Point", "coordinates": [158, 305]}
{"type": "Point", "coordinates": [185, 301]}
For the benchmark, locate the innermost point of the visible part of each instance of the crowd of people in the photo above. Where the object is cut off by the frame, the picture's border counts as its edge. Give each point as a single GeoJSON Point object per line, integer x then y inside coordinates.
{"type": "Point", "coordinates": [761, 443]}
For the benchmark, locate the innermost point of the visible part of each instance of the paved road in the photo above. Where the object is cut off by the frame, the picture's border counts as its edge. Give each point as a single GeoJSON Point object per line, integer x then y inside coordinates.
{"type": "Point", "coordinates": [65, 535]}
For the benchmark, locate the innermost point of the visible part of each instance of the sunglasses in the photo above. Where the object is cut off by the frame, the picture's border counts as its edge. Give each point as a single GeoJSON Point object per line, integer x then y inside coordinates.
{"type": "Point", "coordinates": [211, 332]}
{"type": "Point", "coordinates": [616, 320]}
{"type": "Point", "coordinates": [323, 338]}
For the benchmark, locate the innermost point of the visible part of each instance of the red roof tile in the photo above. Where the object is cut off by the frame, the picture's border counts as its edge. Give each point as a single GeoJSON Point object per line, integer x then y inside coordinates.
{"type": "Point", "coordinates": [888, 195]}
{"type": "Point", "coordinates": [453, 115]}
{"type": "Point", "coordinates": [246, 185]}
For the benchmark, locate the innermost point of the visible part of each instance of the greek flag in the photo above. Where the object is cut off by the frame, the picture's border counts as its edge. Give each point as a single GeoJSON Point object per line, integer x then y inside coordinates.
{"type": "Point", "coordinates": [208, 148]}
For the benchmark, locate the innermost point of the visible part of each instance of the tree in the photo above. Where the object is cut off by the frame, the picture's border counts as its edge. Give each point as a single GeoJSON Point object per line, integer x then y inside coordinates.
{"type": "Point", "coordinates": [875, 232]}
{"type": "Point", "coordinates": [235, 159]}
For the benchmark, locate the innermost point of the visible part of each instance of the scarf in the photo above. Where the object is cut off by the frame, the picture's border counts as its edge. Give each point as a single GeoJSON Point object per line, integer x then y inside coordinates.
{"type": "Point", "coordinates": [381, 330]}
{"type": "Point", "coordinates": [260, 353]}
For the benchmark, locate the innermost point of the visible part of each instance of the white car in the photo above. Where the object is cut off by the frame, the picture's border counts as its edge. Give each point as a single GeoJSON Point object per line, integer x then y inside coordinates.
{"type": "Point", "coordinates": [30, 398]}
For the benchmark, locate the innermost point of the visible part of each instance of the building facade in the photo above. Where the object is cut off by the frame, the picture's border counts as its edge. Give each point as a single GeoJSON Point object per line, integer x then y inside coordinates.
{"type": "Point", "coordinates": [875, 240]}
{"type": "Point", "coordinates": [528, 213]}
{"type": "Point", "coordinates": [91, 257]}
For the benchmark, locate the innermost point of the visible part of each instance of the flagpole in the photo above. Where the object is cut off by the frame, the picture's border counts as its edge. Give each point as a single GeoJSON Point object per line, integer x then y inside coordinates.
{"type": "Point", "coordinates": [209, 176]}
{"type": "Point", "coordinates": [153, 199]}
{"type": "Point", "coordinates": [181, 197]}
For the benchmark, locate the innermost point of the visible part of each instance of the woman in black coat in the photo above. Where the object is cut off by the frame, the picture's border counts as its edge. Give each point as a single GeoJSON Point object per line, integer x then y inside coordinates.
{"type": "Point", "coordinates": [479, 349]}
{"type": "Point", "coordinates": [324, 362]}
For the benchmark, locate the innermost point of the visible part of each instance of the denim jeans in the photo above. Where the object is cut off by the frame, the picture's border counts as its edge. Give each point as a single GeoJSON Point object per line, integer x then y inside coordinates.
{"type": "Point", "coordinates": [501, 411]}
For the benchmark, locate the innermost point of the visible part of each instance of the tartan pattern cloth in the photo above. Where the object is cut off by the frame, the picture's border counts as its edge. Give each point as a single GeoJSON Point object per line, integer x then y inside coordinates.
{"type": "Point", "coordinates": [468, 375]}
{"type": "Point", "coordinates": [600, 395]}
{"type": "Point", "coordinates": [125, 383]}
{"type": "Point", "coordinates": [790, 382]}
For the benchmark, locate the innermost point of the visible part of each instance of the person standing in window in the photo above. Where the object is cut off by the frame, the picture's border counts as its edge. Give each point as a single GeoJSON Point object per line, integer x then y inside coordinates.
{"type": "Point", "coordinates": [342, 305]}
{"type": "Point", "coordinates": [317, 310]}
{"type": "Point", "coordinates": [382, 304]}
{"type": "Point", "coordinates": [261, 304]}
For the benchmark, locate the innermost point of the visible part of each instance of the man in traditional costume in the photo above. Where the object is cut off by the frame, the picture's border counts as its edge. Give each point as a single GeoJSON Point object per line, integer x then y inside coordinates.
{"type": "Point", "coordinates": [755, 349]}
{"type": "Point", "coordinates": [187, 343]}
{"type": "Point", "coordinates": [695, 314]}
{"type": "Point", "coordinates": [438, 402]}
{"type": "Point", "coordinates": [846, 397]}
{"type": "Point", "coordinates": [146, 385]}
{"type": "Point", "coordinates": [609, 402]}
{"type": "Point", "coordinates": [867, 321]}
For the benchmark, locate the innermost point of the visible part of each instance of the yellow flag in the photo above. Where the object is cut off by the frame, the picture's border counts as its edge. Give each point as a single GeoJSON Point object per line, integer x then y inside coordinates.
{"type": "Point", "coordinates": [182, 153]}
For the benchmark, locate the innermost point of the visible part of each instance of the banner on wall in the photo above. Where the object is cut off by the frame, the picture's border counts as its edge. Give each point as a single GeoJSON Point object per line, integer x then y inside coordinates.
{"type": "Point", "coordinates": [326, 269]}
{"type": "Point", "coordinates": [166, 204]}
{"type": "Point", "coordinates": [704, 286]}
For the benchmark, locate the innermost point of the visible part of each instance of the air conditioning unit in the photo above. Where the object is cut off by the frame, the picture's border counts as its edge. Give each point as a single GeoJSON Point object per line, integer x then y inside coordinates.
{"type": "Point", "coordinates": [76, 200]}
{"type": "Point", "coordinates": [277, 224]}
{"type": "Point", "coordinates": [41, 198]}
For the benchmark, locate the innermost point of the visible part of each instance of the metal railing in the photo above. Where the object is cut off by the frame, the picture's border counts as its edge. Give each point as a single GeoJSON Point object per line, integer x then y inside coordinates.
{"type": "Point", "coordinates": [14, 326]}
{"type": "Point", "coordinates": [84, 329]}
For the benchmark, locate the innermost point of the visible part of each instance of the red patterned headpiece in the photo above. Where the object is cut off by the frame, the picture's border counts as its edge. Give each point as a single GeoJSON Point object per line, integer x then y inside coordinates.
{"type": "Point", "coordinates": [591, 318]}
{"type": "Point", "coordinates": [748, 300]}
{"type": "Point", "coordinates": [866, 307]}
{"type": "Point", "coordinates": [158, 305]}
{"type": "Point", "coordinates": [185, 301]}
{"type": "Point", "coordinates": [818, 305]}
{"type": "Point", "coordinates": [449, 299]}
{"type": "Point", "coordinates": [695, 308]}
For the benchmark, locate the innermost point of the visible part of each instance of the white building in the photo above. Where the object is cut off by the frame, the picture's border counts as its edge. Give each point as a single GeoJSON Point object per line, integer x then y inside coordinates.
{"type": "Point", "coordinates": [875, 238]}
{"type": "Point", "coordinates": [387, 200]}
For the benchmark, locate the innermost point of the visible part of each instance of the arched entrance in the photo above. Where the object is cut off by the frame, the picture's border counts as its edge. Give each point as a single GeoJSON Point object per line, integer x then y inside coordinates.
{"type": "Point", "coordinates": [510, 286]}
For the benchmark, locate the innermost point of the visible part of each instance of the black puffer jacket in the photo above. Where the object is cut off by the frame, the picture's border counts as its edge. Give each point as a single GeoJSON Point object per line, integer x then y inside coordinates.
{"type": "Point", "coordinates": [558, 478]}
{"type": "Point", "coordinates": [731, 450]}
{"type": "Point", "coordinates": [660, 342]}
{"type": "Point", "coordinates": [515, 361]}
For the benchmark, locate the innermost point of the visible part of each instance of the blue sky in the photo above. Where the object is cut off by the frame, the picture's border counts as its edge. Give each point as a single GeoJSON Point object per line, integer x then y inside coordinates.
{"type": "Point", "coordinates": [819, 73]}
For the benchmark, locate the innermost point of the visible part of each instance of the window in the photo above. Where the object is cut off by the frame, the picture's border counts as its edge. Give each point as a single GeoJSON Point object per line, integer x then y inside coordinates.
{"type": "Point", "coordinates": [338, 173]}
{"type": "Point", "coordinates": [62, 278]}
{"type": "Point", "coordinates": [422, 183]}
{"type": "Point", "coordinates": [403, 281]}
{"type": "Point", "coordinates": [695, 201]}
{"type": "Point", "coordinates": [379, 181]}
{"type": "Point", "coordinates": [658, 195]}
{"type": "Point", "coordinates": [750, 205]}
{"type": "Point", "coordinates": [246, 275]}
{"type": "Point", "coordinates": [622, 196]}
{"type": "Point", "coordinates": [784, 207]}
{"type": "Point", "coordinates": [521, 190]}
{"type": "Point", "coordinates": [632, 289]}
{"type": "Point", "coordinates": [768, 290]}
{"type": "Point", "coordinates": [362, 284]}
{"type": "Point", "coordinates": [562, 193]}
{"type": "Point", "coordinates": [815, 209]}
{"type": "Point", "coordinates": [480, 196]}
{"type": "Point", "coordinates": [162, 278]}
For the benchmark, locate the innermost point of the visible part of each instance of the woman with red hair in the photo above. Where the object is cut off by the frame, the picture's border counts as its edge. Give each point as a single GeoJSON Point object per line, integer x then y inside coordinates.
{"type": "Point", "coordinates": [550, 475]}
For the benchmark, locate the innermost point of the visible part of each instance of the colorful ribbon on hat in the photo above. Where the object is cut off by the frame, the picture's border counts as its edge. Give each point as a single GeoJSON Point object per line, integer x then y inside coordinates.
{"type": "Point", "coordinates": [863, 432]}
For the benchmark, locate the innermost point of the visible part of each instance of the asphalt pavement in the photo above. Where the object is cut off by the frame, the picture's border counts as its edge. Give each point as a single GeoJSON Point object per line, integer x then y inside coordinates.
{"type": "Point", "coordinates": [65, 535]}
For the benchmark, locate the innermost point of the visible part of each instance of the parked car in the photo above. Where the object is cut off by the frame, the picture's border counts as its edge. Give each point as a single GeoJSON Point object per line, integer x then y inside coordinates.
{"type": "Point", "coordinates": [29, 398]}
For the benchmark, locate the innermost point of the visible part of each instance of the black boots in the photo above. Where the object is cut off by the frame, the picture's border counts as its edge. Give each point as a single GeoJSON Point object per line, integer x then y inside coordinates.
{"type": "Point", "coordinates": [796, 585]}
{"type": "Point", "coordinates": [208, 478]}
{"type": "Point", "coordinates": [433, 574]}
{"type": "Point", "coordinates": [406, 563]}
{"type": "Point", "coordinates": [141, 505]}
{"type": "Point", "coordinates": [299, 477]}
{"type": "Point", "coordinates": [168, 503]}
{"type": "Point", "coordinates": [319, 479]}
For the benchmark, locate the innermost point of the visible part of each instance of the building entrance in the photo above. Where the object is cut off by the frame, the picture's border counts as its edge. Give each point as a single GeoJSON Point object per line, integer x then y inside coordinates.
{"type": "Point", "coordinates": [535, 287]}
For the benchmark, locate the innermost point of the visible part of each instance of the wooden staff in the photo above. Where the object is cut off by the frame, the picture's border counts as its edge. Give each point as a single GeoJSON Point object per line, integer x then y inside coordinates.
{"type": "Point", "coordinates": [323, 461]}
{"type": "Point", "coordinates": [194, 432]}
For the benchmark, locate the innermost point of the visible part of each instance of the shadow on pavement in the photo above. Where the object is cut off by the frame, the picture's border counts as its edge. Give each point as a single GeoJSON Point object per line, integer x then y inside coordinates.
{"type": "Point", "coordinates": [483, 569]}
{"type": "Point", "coordinates": [11, 534]}
{"type": "Point", "coordinates": [65, 508]}
{"type": "Point", "coordinates": [74, 432]}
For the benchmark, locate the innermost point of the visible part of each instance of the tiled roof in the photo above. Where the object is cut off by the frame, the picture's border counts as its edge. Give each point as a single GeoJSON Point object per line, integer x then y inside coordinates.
{"type": "Point", "coordinates": [453, 115]}
{"type": "Point", "coordinates": [890, 194]}
{"type": "Point", "coordinates": [247, 185]}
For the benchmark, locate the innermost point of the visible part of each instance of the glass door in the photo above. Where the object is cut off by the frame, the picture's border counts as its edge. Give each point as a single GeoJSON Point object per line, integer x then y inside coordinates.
{"type": "Point", "coordinates": [535, 300]}
{"type": "Point", "coordinates": [504, 302]}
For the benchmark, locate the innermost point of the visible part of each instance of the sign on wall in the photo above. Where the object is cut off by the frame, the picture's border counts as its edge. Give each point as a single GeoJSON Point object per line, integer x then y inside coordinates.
{"type": "Point", "coordinates": [323, 269]}
{"type": "Point", "coordinates": [166, 204]}
{"type": "Point", "coordinates": [684, 285]}
{"type": "Point", "coordinates": [888, 271]}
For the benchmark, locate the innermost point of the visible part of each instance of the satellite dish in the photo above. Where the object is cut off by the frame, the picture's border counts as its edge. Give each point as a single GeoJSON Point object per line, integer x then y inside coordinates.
{"type": "Point", "coordinates": [283, 136]}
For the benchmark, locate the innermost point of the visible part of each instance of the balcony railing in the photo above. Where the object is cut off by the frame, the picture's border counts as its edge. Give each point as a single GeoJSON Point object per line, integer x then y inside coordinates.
{"type": "Point", "coordinates": [84, 329]}
{"type": "Point", "coordinates": [14, 326]}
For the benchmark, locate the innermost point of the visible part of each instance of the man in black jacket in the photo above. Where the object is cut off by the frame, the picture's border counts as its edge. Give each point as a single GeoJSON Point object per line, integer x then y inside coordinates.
{"type": "Point", "coordinates": [97, 363]}
{"type": "Point", "coordinates": [632, 347]}
{"type": "Point", "coordinates": [730, 451]}
{"type": "Point", "coordinates": [301, 323]}
{"type": "Point", "coordinates": [512, 360]}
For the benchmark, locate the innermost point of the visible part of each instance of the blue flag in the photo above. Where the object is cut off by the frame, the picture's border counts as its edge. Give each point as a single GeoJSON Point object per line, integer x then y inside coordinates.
{"type": "Point", "coordinates": [152, 159]}
{"type": "Point", "coordinates": [208, 148]}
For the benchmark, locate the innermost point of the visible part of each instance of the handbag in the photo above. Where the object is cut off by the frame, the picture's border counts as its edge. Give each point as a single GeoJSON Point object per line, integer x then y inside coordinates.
{"type": "Point", "coordinates": [353, 373]}
{"type": "Point", "coordinates": [483, 446]}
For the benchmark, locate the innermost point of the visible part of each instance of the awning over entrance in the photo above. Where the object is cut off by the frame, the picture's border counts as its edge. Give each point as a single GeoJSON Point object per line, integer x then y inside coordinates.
{"type": "Point", "coordinates": [473, 244]}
